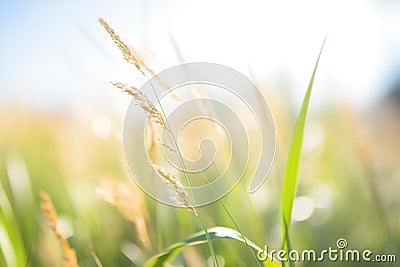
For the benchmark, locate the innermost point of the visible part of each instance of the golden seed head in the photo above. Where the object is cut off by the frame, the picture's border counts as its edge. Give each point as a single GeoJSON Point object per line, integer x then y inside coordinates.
{"type": "Point", "coordinates": [177, 191]}
{"type": "Point", "coordinates": [142, 101]}
{"type": "Point", "coordinates": [50, 214]}
{"type": "Point", "coordinates": [127, 52]}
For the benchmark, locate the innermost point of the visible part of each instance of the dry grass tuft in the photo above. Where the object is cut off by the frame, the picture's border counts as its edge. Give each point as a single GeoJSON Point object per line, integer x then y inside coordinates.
{"type": "Point", "coordinates": [177, 190]}
{"type": "Point", "coordinates": [129, 201]}
{"type": "Point", "coordinates": [142, 101]}
{"type": "Point", "coordinates": [127, 52]}
{"type": "Point", "coordinates": [133, 57]}
{"type": "Point", "coordinates": [50, 214]}
{"type": "Point", "coordinates": [165, 145]}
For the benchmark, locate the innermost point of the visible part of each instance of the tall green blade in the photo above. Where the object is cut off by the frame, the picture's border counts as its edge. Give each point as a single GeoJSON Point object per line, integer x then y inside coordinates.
{"type": "Point", "coordinates": [293, 162]}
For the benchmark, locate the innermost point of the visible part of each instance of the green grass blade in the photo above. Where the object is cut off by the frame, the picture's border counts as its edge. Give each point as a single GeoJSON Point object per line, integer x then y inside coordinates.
{"type": "Point", "coordinates": [11, 242]}
{"type": "Point", "coordinates": [199, 238]}
{"type": "Point", "coordinates": [293, 162]}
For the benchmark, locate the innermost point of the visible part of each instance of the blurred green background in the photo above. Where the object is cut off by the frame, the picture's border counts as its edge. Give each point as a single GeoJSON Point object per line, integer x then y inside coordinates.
{"type": "Point", "coordinates": [61, 126]}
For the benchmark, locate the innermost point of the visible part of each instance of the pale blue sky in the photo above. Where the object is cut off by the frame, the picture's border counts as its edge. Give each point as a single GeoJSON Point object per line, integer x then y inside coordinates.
{"type": "Point", "coordinates": [54, 54]}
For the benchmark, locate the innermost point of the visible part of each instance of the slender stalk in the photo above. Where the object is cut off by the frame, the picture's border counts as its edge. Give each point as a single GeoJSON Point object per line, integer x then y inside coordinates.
{"type": "Point", "coordinates": [160, 242]}
{"type": "Point", "coordinates": [197, 209]}
{"type": "Point", "coordinates": [236, 225]}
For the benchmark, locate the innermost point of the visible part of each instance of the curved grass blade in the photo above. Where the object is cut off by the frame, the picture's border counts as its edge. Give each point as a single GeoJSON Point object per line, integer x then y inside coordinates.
{"type": "Point", "coordinates": [293, 162]}
{"type": "Point", "coordinates": [199, 238]}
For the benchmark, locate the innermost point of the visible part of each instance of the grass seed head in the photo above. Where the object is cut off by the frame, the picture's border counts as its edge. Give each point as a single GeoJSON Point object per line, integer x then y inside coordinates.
{"type": "Point", "coordinates": [177, 191]}
{"type": "Point", "coordinates": [50, 214]}
{"type": "Point", "coordinates": [143, 102]}
{"type": "Point", "coordinates": [126, 51]}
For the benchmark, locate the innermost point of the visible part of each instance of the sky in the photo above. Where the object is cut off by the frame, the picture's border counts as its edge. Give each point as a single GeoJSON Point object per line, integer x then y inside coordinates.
{"type": "Point", "coordinates": [54, 55]}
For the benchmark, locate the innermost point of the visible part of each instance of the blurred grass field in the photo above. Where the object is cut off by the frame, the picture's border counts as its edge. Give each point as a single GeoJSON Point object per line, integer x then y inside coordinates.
{"type": "Point", "coordinates": [348, 188]}
{"type": "Point", "coordinates": [61, 130]}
